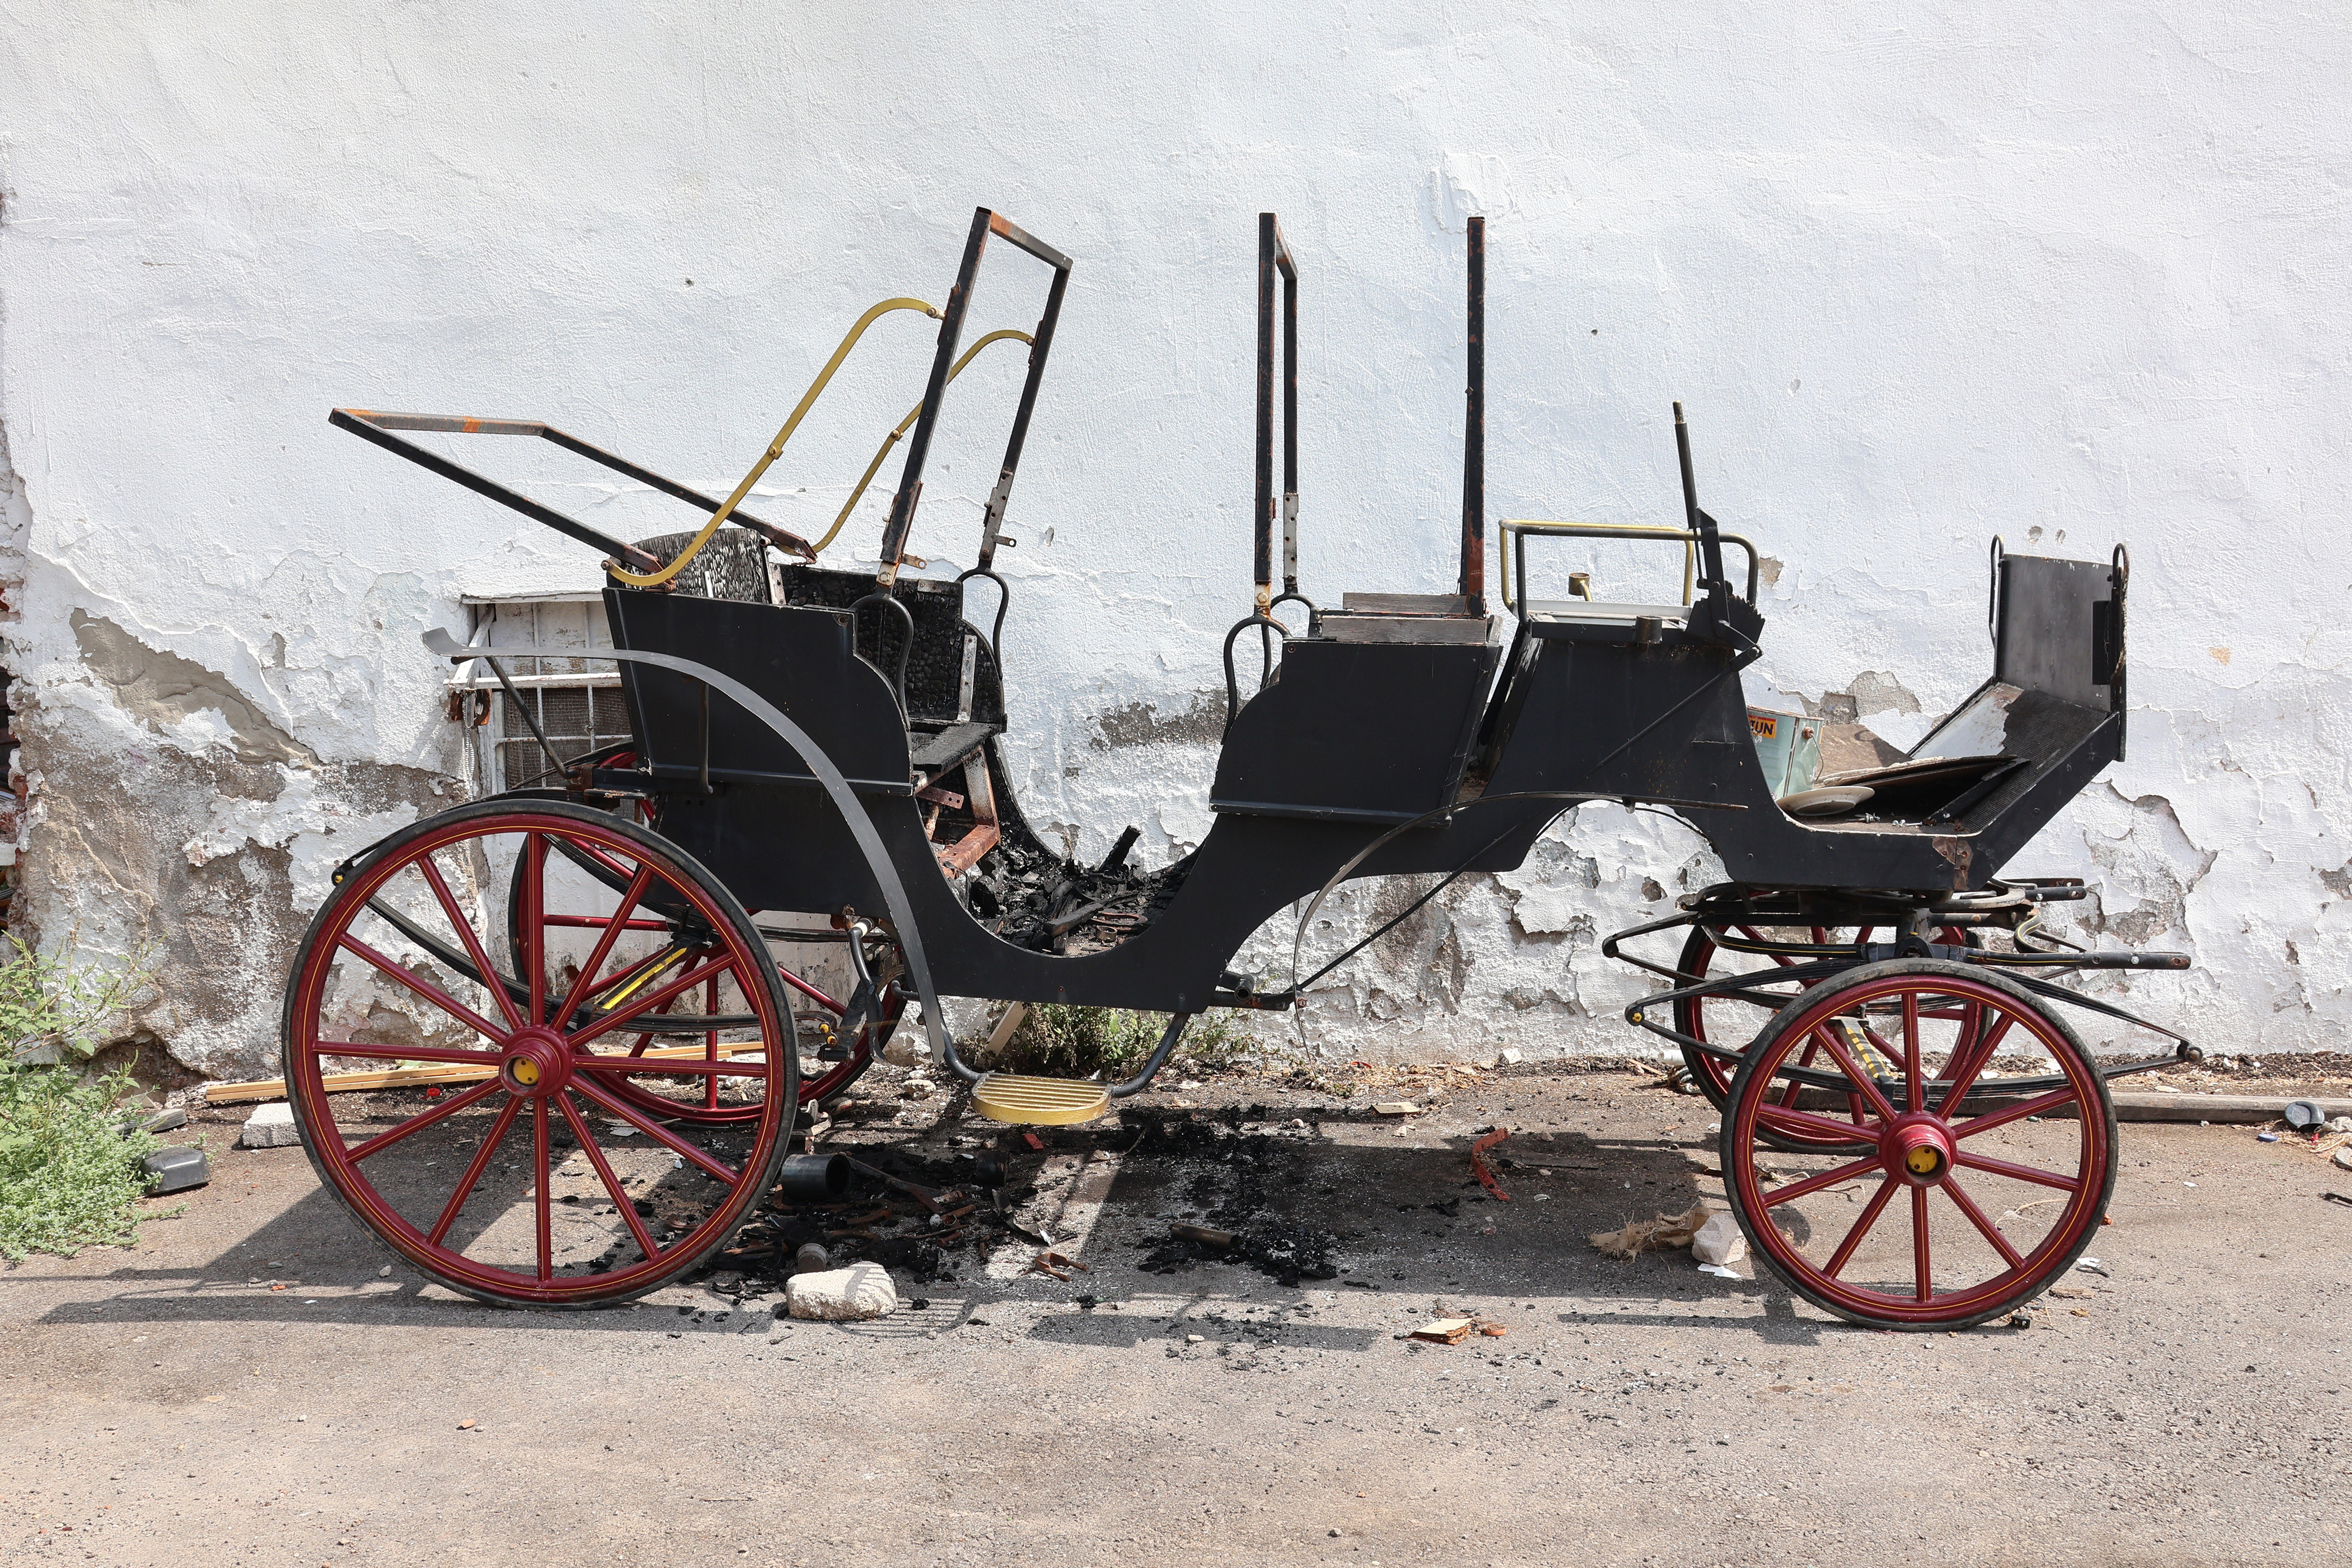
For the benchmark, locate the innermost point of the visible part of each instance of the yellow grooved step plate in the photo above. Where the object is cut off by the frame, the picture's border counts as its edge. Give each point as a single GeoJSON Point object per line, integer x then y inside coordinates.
{"type": "Point", "coordinates": [1038, 1101]}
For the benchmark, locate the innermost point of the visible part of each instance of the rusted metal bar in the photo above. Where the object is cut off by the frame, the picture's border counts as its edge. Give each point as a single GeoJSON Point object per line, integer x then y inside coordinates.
{"type": "Point", "coordinates": [1474, 433]}
{"type": "Point", "coordinates": [1041, 343]}
{"type": "Point", "coordinates": [910, 477]}
{"type": "Point", "coordinates": [1290, 420]}
{"type": "Point", "coordinates": [1273, 257]}
{"type": "Point", "coordinates": [377, 426]}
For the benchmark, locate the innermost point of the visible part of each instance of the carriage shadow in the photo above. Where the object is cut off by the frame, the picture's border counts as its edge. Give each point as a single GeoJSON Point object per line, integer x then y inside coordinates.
{"type": "Point", "coordinates": [1412, 1231]}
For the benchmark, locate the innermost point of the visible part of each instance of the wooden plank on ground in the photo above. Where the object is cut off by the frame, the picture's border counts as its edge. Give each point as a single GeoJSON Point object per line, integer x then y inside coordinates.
{"type": "Point", "coordinates": [419, 1077]}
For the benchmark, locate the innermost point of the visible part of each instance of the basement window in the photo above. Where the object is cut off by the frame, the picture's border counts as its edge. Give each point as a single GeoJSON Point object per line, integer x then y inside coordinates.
{"type": "Point", "coordinates": [576, 701]}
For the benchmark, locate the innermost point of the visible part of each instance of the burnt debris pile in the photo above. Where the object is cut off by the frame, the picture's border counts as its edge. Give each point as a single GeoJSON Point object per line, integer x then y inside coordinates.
{"type": "Point", "coordinates": [1033, 898]}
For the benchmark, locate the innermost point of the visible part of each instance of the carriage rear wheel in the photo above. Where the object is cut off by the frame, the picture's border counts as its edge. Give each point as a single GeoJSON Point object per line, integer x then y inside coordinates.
{"type": "Point", "coordinates": [1734, 1019]}
{"type": "Point", "coordinates": [512, 1146]}
{"type": "Point", "coordinates": [1960, 1204]}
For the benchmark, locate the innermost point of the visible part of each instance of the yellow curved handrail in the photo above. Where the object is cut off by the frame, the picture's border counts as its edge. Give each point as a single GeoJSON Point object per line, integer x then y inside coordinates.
{"type": "Point", "coordinates": [904, 426]}
{"type": "Point", "coordinates": [775, 448]}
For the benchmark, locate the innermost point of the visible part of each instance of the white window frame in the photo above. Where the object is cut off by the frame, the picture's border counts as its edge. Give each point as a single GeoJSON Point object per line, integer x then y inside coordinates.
{"type": "Point", "coordinates": [524, 620]}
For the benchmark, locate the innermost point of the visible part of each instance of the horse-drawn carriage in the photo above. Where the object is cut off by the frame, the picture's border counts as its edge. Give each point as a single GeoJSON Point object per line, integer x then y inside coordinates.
{"type": "Point", "coordinates": [618, 953]}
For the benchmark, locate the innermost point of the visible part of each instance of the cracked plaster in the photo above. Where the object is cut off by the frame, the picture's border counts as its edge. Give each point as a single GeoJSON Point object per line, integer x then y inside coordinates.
{"type": "Point", "coordinates": [1920, 276]}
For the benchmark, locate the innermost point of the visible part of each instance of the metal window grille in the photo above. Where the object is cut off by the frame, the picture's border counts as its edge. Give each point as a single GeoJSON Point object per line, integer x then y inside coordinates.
{"type": "Point", "coordinates": [577, 701]}
{"type": "Point", "coordinates": [575, 718]}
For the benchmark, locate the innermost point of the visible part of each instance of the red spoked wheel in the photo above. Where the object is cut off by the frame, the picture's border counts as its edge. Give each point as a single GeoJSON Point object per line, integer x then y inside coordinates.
{"type": "Point", "coordinates": [580, 899]}
{"type": "Point", "coordinates": [1734, 1017]}
{"type": "Point", "coordinates": [553, 1168]}
{"type": "Point", "coordinates": [1961, 1206]}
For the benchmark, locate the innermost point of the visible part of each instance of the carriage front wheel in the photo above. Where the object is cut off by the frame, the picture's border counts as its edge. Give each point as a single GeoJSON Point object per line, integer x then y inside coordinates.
{"type": "Point", "coordinates": [553, 1163]}
{"type": "Point", "coordinates": [1957, 1205]}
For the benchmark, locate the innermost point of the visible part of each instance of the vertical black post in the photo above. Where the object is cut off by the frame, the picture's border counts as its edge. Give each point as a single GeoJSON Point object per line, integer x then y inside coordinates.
{"type": "Point", "coordinates": [1710, 545]}
{"type": "Point", "coordinates": [910, 481]}
{"type": "Point", "coordinates": [1263, 562]}
{"type": "Point", "coordinates": [1289, 426]}
{"type": "Point", "coordinates": [1474, 434]}
{"type": "Point", "coordinates": [1041, 343]}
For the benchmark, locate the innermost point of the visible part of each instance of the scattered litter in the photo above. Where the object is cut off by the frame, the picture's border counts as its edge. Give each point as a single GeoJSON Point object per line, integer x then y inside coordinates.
{"type": "Point", "coordinates": [812, 1259]}
{"type": "Point", "coordinates": [2073, 1292]}
{"type": "Point", "coordinates": [1224, 1240]}
{"type": "Point", "coordinates": [176, 1170]}
{"type": "Point", "coordinates": [1507, 1059]}
{"type": "Point", "coordinates": [1719, 1241]}
{"type": "Point", "coordinates": [1493, 1331]}
{"type": "Point", "coordinates": [1444, 1331]}
{"type": "Point", "coordinates": [271, 1126]}
{"type": "Point", "coordinates": [2344, 1159]}
{"type": "Point", "coordinates": [2265, 1137]}
{"type": "Point", "coordinates": [2304, 1115]}
{"type": "Point", "coordinates": [2324, 1197]}
{"type": "Point", "coordinates": [2092, 1265]}
{"type": "Point", "coordinates": [2340, 1124]}
{"type": "Point", "coordinates": [1478, 1166]}
{"type": "Point", "coordinates": [1397, 1108]}
{"type": "Point", "coordinates": [1720, 1272]}
{"type": "Point", "coordinates": [1652, 1235]}
{"type": "Point", "coordinates": [860, 1291]}
{"type": "Point", "coordinates": [467, 1425]}
{"type": "Point", "coordinates": [1054, 1264]}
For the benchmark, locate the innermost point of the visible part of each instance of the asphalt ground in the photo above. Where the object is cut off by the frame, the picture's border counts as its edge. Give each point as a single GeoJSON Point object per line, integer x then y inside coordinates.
{"type": "Point", "coordinates": [250, 1384]}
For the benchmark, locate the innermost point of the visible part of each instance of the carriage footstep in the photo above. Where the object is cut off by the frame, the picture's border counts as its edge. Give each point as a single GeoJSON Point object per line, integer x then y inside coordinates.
{"type": "Point", "coordinates": [1027, 1101]}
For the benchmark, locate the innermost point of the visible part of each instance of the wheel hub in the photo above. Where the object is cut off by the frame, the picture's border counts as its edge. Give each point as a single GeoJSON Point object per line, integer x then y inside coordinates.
{"type": "Point", "coordinates": [1917, 1150]}
{"type": "Point", "coordinates": [537, 1063]}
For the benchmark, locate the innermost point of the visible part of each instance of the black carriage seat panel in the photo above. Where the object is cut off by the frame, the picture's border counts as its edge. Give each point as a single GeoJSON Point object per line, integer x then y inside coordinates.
{"type": "Point", "coordinates": [1407, 605]}
{"type": "Point", "coordinates": [1355, 626]}
{"type": "Point", "coordinates": [799, 659]}
{"type": "Point", "coordinates": [2052, 683]}
{"type": "Point", "coordinates": [2049, 625]}
{"type": "Point", "coordinates": [1376, 728]}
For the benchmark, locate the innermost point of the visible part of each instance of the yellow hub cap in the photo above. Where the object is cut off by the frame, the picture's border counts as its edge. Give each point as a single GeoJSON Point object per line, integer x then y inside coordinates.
{"type": "Point", "coordinates": [1924, 1160]}
{"type": "Point", "coordinates": [526, 1073]}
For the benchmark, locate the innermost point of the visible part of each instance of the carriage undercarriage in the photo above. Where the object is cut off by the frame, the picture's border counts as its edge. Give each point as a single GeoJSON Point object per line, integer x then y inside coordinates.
{"type": "Point", "coordinates": [642, 966]}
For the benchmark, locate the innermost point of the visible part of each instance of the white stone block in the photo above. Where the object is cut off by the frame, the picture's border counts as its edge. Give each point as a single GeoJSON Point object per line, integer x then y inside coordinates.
{"type": "Point", "coordinates": [842, 1295]}
{"type": "Point", "coordinates": [270, 1126]}
{"type": "Point", "coordinates": [1720, 1241]}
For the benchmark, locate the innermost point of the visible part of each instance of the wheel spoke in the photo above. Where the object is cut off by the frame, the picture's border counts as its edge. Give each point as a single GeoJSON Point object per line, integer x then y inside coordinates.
{"type": "Point", "coordinates": [465, 929]}
{"type": "Point", "coordinates": [421, 1121]}
{"type": "Point", "coordinates": [1924, 1283]}
{"type": "Point", "coordinates": [581, 986]}
{"type": "Point", "coordinates": [1798, 1124]}
{"type": "Point", "coordinates": [2016, 1172]}
{"type": "Point", "coordinates": [1869, 1216]}
{"type": "Point", "coordinates": [490, 1059]}
{"type": "Point", "coordinates": [1775, 1197]}
{"type": "Point", "coordinates": [534, 933]}
{"type": "Point", "coordinates": [541, 1200]}
{"type": "Point", "coordinates": [426, 989]}
{"type": "Point", "coordinates": [1913, 1090]}
{"type": "Point", "coordinates": [1985, 1228]}
{"type": "Point", "coordinates": [711, 1046]}
{"type": "Point", "coordinates": [2018, 1113]}
{"type": "Point", "coordinates": [474, 1169]}
{"type": "Point", "coordinates": [1861, 1080]}
{"type": "Point", "coordinates": [622, 1204]}
{"type": "Point", "coordinates": [812, 993]}
{"type": "Point", "coordinates": [1980, 1057]}
{"type": "Point", "coordinates": [652, 999]}
{"type": "Point", "coordinates": [656, 1131]}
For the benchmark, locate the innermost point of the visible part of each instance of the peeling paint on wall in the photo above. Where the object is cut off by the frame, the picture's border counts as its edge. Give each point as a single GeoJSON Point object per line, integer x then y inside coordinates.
{"type": "Point", "coordinates": [1962, 306]}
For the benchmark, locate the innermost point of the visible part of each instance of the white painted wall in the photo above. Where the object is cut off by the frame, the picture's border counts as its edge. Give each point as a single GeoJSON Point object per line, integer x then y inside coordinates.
{"type": "Point", "coordinates": [2074, 275]}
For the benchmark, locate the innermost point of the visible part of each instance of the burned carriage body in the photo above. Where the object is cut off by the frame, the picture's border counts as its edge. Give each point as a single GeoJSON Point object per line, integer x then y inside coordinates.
{"type": "Point", "coordinates": [816, 760]}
